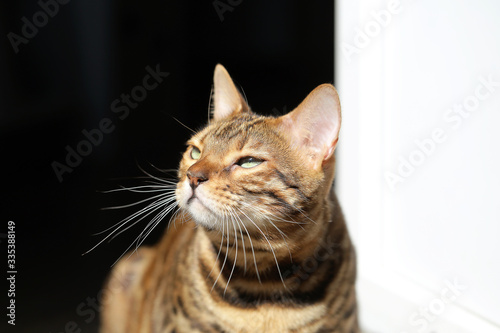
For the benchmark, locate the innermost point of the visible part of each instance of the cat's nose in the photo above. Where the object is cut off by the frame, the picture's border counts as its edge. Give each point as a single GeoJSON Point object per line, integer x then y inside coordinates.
{"type": "Point", "coordinates": [196, 177]}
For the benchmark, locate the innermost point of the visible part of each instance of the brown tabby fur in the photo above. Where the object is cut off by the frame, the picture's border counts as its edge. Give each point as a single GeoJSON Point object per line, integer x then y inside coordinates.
{"type": "Point", "coordinates": [217, 271]}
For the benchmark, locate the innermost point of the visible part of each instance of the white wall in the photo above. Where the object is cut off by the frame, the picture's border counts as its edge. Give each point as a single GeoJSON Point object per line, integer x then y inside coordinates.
{"type": "Point", "coordinates": [419, 160]}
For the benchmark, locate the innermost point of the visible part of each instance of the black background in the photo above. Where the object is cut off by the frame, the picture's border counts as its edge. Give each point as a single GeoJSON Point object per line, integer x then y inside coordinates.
{"type": "Point", "coordinates": [63, 81]}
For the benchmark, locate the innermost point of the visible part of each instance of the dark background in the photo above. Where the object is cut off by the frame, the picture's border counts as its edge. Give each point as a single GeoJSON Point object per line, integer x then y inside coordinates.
{"type": "Point", "coordinates": [63, 81]}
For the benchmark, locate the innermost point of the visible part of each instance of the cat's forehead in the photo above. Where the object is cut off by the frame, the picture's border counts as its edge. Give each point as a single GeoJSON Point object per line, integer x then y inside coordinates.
{"type": "Point", "coordinates": [235, 132]}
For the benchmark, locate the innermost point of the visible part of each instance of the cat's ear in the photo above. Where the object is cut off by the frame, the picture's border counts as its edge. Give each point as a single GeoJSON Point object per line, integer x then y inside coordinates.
{"type": "Point", "coordinates": [227, 100]}
{"type": "Point", "coordinates": [314, 125]}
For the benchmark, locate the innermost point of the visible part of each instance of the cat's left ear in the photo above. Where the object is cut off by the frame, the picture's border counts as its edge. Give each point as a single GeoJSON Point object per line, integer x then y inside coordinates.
{"type": "Point", "coordinates": [314, 125]}
{"type": "Point", "coordinates": [226, 97]}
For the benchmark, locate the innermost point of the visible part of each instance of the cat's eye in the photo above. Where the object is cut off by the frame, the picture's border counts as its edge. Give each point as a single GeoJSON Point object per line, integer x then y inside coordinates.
{"type": "Point", "coordinates": [249, 162]}
{"type": "Point", "coordinates": [195, 153]}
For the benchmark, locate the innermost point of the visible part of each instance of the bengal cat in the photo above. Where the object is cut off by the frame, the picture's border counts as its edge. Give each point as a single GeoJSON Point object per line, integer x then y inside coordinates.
{"type": "Point", "coordinates": [259, 243]}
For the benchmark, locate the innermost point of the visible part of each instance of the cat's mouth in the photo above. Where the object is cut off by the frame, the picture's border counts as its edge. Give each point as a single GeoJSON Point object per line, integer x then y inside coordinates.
{"type": "Point", "coordinates": [200, 210]}
{"type": "Point", "coordinates": [193, 197]}
{"type": "Point", "coordinates": [194, 202]}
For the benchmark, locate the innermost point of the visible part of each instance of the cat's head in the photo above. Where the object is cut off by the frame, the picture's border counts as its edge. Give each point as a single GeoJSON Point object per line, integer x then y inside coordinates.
{"type": "Point", "coordinates": [254, 169]}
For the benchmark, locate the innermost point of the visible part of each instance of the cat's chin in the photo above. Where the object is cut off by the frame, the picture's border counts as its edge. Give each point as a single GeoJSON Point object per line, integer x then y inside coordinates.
{"type": "Point", "coordinates": [198, 206]}
{"type": "Point", "coordinates": [205, 212]}
{"type": "Point", "coordinates": [201, 214]}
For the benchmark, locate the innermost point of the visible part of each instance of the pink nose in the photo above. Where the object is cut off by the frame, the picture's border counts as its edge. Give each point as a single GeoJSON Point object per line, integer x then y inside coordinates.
{"type": "Point", "coordinates": [196, 176]}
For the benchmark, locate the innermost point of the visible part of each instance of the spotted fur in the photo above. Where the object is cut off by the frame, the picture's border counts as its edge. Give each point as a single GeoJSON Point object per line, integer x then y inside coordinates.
{"type": "Point", "coordinates": [257, 249]}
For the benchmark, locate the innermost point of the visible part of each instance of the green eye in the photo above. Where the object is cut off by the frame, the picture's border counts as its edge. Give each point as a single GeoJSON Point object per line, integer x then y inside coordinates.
{"type": "Point", "coordinates": [249, 162]}
{"type": "Point", "coordinates": [195, 153]}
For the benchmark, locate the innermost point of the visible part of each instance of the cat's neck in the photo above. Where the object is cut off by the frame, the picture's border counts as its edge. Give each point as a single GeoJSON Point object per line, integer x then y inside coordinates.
{"type": "Point", "coordinates": [280, 260]}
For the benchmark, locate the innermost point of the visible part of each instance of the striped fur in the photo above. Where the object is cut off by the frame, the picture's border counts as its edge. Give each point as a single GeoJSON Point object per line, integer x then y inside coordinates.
{"type": "Point", "coordinates": [259, 249]}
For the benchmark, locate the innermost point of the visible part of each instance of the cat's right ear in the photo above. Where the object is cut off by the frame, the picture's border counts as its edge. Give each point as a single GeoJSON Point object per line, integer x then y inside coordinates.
{"type": "Point", "coordinates": [314, 125]}
{"type": "Point", "coordinates": [227, 100]}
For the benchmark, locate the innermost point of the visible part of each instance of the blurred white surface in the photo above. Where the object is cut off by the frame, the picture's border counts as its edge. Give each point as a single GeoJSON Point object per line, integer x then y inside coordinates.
{"type": "Point", "coordinates": [419, 162]}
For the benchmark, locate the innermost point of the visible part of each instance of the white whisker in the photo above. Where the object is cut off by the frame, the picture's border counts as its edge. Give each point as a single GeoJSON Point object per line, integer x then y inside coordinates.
{"type": "Point", "coordinates": [133, 204]}
{"type": "Point", "coordinates": [235, 218]}
{"type": "Point", "coordinates": [154, 188]}
{"type": "Point", "coordinates": [218, 253]}
{"type": "Point", "coordinates": [270, 246]}
{"type": "Point", "coordinates": [251, 247]}
{"type": "Point", "coordinates": [235, 246]}
{"type": "Point", "coordinates": [155, 204]}
{"type": "Point", "coordinates": [225, 258]}
{"type": "Point", "coordinates": [161, 204]}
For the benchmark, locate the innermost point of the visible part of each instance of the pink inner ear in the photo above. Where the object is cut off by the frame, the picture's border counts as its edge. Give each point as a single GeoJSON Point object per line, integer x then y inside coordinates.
{"type": "Point", "coordinates": [330, 151]}
{"type": "Point", "coordinates": [226, 97]}
{"type": "Point", "coordinates": [314, 125]}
